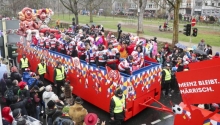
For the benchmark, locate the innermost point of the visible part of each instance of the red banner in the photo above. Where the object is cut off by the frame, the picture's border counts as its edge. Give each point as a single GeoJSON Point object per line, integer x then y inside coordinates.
{"type": "Point", "coordinates": [200, 86]}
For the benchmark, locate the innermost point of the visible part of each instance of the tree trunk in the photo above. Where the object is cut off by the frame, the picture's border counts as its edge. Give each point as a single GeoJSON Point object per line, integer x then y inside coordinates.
{"type": "Point", "coordinates": [76, 12]}
{"type": "Point", "coordinates": [141, 28]}
{"type": "Point", "coordinates": [77, 18]}
{"type": "Point", "coordinates": [90, 11]}
{"type": "Point", "coordinates": [176, 23]}
{"type": "Point", "coordinates": [142, 5]}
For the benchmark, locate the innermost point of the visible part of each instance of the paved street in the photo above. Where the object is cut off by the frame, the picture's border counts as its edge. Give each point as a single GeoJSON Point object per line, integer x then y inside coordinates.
{"type": "Point", "coordinates": [146, 117]}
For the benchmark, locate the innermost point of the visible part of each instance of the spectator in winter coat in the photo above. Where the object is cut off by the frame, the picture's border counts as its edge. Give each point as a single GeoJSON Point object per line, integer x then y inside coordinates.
{"type": "Point", "coordinates": [167, 61]}
{"type": "Point", "coordinates": [15, 87]}
{"type": "Point", "coordinates": [77, 112]}
{"type": "Point", "coordinates": [3, 84]}
{"type": "Point", "coordinates": [49, 95]}
{"type": "Point", "coordinates": [23, 92]}
{"type": "Point", "coordinates": [50, 111]}
{"type": "Point", "coordinates": [201, 45]}
{"type": "Point", "coordinates": [17, 103]}
{"type": "Point", "coordinates": [67, 89]}
{"type": "Point", "coordinates": [15, 75]}
{"type": "Point", "coordinates": [179, 64]}
{"type": "Point", "coordinates": [3, 69]}
{"type": "Point", "coordinates": [58, 113]}
{"type": "Point", "coordinates": [6, 117]}
{"type": "Point", "coordinates": [17, 115]}
{"type": "Point", "coordinates": [209, 50]}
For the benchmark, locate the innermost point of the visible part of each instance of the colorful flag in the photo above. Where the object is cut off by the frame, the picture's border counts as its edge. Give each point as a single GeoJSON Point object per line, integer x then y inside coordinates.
{"type": "Point", "coordinates": [113, 75]}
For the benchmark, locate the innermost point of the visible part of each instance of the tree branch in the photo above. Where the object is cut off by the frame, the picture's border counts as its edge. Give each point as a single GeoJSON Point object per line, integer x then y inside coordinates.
{"type": "Point", "coordinates": [171, 3]}
{"type": "Point", "coordinates": [64, 4]}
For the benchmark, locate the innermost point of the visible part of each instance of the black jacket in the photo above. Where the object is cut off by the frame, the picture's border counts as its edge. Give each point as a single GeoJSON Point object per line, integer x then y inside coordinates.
{"type": "Point", "coordinates": [56, 114]}
{"type": "Point", "coordinates": [20, 104]}
{"type": "Point", "coordinates": [16, 76]}
{"type": "Point", "coordinates": [115, 115]}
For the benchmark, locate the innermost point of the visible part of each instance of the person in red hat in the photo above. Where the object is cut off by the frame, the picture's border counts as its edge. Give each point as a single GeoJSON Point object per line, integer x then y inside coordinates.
{"type": "Point", "coordinates": [6, 117]}
{"type": "Point", "coordinates": [92, 119]}
{"type": "Point", "coordinates": [23, 92]}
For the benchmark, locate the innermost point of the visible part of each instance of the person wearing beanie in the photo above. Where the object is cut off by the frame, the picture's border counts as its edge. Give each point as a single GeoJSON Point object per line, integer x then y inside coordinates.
{"type": "Point", "coordinates": [117, 108]}
{"type": "Point", "coordinates": [15, 75]}
{"type": "Point", "coordinates": [92, 119]}
{"type": "Point", "coordinates": [17, 115]}
{"type": "Point", "coordinates": [49, 95]}
{"type": "Point", "coordinates": [77, 112]}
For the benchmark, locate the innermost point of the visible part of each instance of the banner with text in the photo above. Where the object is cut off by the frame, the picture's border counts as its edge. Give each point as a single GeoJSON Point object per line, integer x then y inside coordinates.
{"type": "Point", "coordinates": [201, 86]}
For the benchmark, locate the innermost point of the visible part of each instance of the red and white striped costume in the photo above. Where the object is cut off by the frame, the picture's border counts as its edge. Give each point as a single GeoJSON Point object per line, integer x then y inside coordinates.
{"type": "Point", "coordinates": [138, 59]}
{"type": "Point", "coordinates": [90, 55]}
{"type": "Point", "coordinates": [81, 48]}
{"type": "Point", "coordinates": [100, 55]}
{"type": "Point", "coordinates": [61, 44]}
{"type": "Point", "coordinates": [111, 55]}
{"type": "Point", "coordinates": [71, 45]}
{"type": "Point", "coordinates": [124, 65]}
{"type": "Point", "coordinates": [47, 43]}
{"type": "Point", "coordinates": [41, 42]}
{"type": "Point", "coordinates": [53, 43]}
{"type": "Point", "coordinates": [114, 42]}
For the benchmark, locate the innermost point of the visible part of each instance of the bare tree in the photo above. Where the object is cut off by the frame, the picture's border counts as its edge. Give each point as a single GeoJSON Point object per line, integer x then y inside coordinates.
{"type": "Point", "coordinates": [92, 5]}
{"type": "Point", "coordinates": [141, 8]}
{"type": "Point", "coordinates": [13, 5]}
{"type": "Point", "coordinates": [176, 5]}
{"type": "Point", "coordinates": [72, 5]}
{"type": "Point", "coordinates": [163, 4]}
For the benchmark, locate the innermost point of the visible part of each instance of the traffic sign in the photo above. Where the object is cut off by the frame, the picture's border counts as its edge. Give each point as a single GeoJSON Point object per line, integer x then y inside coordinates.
{"type": "Point", "coordinates": [193, 22]}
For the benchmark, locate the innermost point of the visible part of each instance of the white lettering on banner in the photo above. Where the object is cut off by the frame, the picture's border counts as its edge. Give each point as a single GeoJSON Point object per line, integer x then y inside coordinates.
{"type": "Point", "coordinates": [196, 90]}
{"type": "Point", "coordinates": [188, 84]}
{"type": "Point", "coordinates": [201, 86]}
{"type": "Point", "coordinates": [208, 82]}
{"type": "Point", "coordinates": [199, 83]}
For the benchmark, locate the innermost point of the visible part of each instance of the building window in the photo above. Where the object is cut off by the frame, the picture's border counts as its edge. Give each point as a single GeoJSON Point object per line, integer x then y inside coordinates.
{"type": "Point", "coordinates": [150, 5]}
{"type": "Point", "coordinates": [218, 4]}
{"type": "Point", "coordinates": [213, 4]}
{"type": "Point", "coordinates": [206, 4]}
